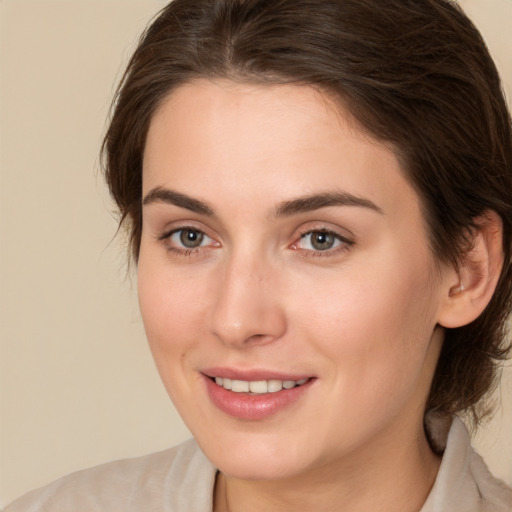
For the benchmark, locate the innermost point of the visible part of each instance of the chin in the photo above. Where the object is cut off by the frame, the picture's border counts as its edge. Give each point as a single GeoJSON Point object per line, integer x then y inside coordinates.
{"type": "Point", "coordinates": [257, 459]}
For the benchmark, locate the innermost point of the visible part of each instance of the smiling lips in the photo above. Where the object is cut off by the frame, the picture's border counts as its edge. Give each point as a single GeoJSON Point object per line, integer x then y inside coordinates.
{"type": "Point", "coordinates": [254, 399]}
{"type": "Point", "coordinates": [258, 386]}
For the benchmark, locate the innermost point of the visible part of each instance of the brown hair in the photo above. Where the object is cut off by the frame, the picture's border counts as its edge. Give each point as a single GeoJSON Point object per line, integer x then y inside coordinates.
{"type": "Point", "coordinates": [414, 73]}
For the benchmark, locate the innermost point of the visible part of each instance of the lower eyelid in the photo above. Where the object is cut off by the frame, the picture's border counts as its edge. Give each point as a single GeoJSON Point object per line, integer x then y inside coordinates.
{"type": "Point", "coordinates": [180, 250]}
{"type": "Point", "coordinates": [343, 244]}
{"type": "Point", "coordinates": [335, 251]}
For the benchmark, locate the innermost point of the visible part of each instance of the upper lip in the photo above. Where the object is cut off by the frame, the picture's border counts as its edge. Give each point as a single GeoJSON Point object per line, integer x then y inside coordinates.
{"type": "Point", "coordinates": [252, 374]}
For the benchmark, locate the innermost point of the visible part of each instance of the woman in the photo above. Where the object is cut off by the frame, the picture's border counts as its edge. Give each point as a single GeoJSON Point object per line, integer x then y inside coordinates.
{"type": "Point", "coordinates": [319, 200]}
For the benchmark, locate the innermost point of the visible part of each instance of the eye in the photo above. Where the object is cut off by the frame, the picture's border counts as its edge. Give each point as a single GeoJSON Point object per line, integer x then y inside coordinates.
{"type": "Point", "coordinates": [187, 240]}
{"type": "Point", "coordinates": [321, 240]}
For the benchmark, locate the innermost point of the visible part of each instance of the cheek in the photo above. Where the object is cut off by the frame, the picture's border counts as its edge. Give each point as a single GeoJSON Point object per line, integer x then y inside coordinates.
{"type": "Point", "coordinates": [375, 326]}
{"type": "Point", "coordinates": [171, 308]}
{"type": "Point", "coordinates": [172, 318]}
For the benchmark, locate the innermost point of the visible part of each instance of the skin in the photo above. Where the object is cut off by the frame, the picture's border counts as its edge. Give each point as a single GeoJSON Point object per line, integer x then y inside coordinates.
{"type": "Point", "coordinates": [361, 317]}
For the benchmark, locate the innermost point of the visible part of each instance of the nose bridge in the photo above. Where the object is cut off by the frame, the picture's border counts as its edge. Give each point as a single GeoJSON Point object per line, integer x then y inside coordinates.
{"type": "Point", "coordinates": [247, 308]}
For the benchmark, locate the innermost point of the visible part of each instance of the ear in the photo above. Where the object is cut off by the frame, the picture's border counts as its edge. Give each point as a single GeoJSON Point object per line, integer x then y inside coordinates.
{"type": "Point", "coordinates": [471, 286]}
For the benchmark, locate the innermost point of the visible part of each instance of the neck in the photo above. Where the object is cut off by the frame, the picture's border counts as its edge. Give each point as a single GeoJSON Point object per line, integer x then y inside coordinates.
{"type": "Point", "coordinates": [388, 476]}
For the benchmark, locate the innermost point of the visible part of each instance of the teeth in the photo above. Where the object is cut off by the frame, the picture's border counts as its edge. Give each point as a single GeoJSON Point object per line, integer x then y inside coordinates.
{"type": "Point", "coordinates": [239, 386]}
{"type": "Point", "coordinates": [258, 387]}
{"type": "Point", "coordinates": [274, 385]}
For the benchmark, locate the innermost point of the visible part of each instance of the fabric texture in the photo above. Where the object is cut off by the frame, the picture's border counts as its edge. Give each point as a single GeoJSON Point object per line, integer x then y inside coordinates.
{"type": "Point", "coordinates": [182, 479]}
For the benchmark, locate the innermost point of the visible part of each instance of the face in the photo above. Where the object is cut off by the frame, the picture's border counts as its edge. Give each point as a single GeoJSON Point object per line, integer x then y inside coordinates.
{"type": "Point", "coordinates": [285, 281]}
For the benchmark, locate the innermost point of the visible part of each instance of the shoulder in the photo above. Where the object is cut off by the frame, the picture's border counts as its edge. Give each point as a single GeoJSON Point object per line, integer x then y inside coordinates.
{"type": "Point", "coordinates": [464, 483]}
{"type": "Point", "coordinates": [158, 481]}
{"type": "Point", "coordinates": [495, 495]}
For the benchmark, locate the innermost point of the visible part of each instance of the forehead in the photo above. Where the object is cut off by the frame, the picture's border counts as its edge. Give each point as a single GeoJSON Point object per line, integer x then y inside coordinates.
{"type": "Point", "coordinates": [266, 142]}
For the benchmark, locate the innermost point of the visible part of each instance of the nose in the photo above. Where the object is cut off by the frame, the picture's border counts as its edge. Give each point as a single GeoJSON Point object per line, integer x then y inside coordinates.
{"type": "Point", "coordinates": [248, 308]}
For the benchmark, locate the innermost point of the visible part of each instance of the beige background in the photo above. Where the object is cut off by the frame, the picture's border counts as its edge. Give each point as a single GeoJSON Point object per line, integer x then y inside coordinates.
{"type": "Point", "coordinates": [77, 382]}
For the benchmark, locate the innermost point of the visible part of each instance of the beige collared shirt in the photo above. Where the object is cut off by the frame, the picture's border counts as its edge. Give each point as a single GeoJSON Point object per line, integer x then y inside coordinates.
{"type": "Point", "coordinates": [182, 480]}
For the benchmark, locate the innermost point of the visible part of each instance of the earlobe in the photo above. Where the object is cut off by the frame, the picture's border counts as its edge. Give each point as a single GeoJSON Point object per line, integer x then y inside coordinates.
{"type": "Point", "coordinates": [477, 276]}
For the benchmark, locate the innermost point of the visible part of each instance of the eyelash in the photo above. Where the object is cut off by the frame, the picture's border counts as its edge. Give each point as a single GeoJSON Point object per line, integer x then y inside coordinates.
{"type": "Point", "coordinates": [344, 243]}
{"type": "Point", "coordinates": [182, 251]}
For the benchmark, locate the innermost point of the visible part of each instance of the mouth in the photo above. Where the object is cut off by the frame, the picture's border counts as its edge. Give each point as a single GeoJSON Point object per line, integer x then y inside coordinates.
{"type": "Point", "coordinates": [257, 387]}
{"type": "Point", "coordinates": [256, 397]}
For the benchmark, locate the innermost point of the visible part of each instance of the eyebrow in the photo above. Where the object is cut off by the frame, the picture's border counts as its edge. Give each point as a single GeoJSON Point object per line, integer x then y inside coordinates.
{"type": "Point", "coordinates": [323, 200]}
{"type": "Point", "coordinates": [164, 195]}
{"type": "Point", "coordinates": [285, 209]}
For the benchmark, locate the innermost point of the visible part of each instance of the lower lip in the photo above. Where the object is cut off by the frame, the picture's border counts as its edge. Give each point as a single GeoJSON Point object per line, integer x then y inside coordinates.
{"type": "Point", "coordinates": [253, 407]}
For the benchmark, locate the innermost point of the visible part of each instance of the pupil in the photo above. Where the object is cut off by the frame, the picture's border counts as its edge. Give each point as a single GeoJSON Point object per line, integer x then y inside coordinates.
{"type": "Point", "coordinates": [322, 241]}
{"type": "Point", "coordinates": [191, 238]}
